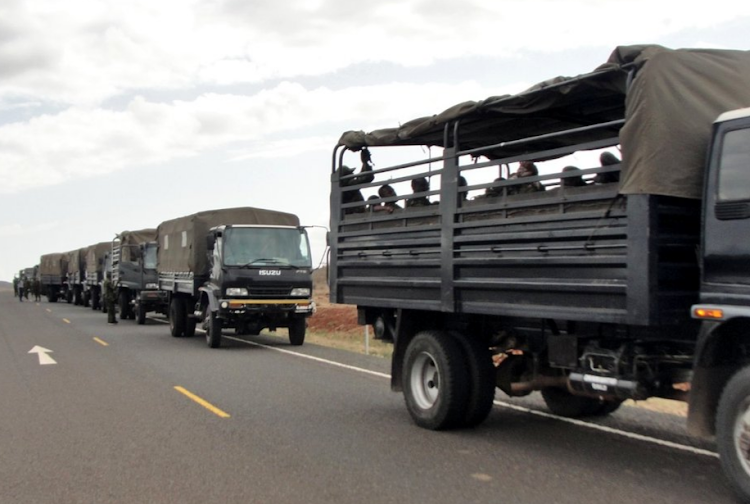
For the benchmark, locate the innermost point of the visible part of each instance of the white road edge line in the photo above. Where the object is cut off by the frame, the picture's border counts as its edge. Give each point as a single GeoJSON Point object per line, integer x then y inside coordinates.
{"type": "Point", "coordinates": [580, 423]}
{"type": "Point", "coordinates": [573, 421]}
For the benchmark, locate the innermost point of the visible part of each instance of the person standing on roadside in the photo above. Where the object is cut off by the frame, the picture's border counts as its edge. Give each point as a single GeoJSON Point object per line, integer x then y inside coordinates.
{"type": "Point", "coordinates": [109, 298]}
{"type": "Point", "coordinates": [36, 289]}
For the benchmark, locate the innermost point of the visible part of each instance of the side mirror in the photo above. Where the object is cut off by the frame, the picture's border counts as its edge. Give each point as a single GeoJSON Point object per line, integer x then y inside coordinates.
{"type": "Point", "coordinates": [210, 242]}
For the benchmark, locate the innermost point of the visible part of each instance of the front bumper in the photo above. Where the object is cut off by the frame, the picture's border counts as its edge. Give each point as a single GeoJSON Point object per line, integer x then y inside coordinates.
{"type": "Point", "coordinates": [254, 306]}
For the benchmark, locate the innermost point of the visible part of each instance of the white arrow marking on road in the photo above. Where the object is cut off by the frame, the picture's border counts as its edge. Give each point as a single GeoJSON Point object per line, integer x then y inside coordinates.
{"type": "Point", "coordinates": [44, 359]}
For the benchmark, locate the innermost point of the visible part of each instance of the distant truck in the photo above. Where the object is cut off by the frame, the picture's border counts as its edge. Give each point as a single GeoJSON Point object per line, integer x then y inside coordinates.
{"type": "Point", "coordinates": [242, 268]}
{"type": "Point", "coordinates": [135, 277]}
{"type": "Point", "coordinates": [53, 271]}
{"type": "Point", "coordinates": [76, 276]}
{"type": "Point", "coordinates": [94, 274]}
{"type": "Point", "coordinates": [568, 282]}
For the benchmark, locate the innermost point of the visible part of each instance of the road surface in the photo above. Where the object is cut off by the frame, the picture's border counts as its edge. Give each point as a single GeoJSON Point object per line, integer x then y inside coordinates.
{"type": "Point", "coordinates": [127, 414]}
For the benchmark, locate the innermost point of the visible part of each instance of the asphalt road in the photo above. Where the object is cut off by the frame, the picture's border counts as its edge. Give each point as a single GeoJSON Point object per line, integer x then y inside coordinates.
{"type": "Point", "coordinates": [105, 423]}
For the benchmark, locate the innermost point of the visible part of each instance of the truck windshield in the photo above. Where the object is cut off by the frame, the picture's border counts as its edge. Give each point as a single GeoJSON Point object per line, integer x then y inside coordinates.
{"type": "Point", "coordinates": [258, 246]}
{"type": "Point", "coordinates": [149, 257]}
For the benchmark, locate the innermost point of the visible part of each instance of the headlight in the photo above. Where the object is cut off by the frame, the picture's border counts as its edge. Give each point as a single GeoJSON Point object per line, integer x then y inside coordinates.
{"type": "Point", "coordinates": [152, 286]}
{"type": "Point", "coordinates": [301, 292]}
{"type": "Point", "coordinates": [236, 291]}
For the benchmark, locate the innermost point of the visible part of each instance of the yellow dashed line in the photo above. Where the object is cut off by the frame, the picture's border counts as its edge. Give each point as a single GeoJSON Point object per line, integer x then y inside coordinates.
{"type": "Point", "coordinates": [101, 342]}
{"type": "Point", "coordinates": [66, 321]}
{"type": "Point", "coordinates": [210, 407]}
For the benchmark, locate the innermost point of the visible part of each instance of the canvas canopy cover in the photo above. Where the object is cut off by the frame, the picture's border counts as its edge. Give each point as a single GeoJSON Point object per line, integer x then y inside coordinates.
{"type": "Point", "coordinates": [128, 239]}
{"type": "Point", "coordinates": [95, 255]}
{"type": "Point", "coordinates": [182, 241]}
{"type": "Point", "coordinates": [75, 260]}
{"type": "Point", "coordinates": [668, 108]}
{"type": "Point", "coordinates": [53, 264]}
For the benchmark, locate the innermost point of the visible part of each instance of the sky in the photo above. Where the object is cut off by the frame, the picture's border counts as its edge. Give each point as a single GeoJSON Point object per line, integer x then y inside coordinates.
{"type": "Point", "coordinates": [119, 115]}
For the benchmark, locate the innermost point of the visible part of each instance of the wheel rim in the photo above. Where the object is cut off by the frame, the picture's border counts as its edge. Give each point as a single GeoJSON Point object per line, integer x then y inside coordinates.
{"type": "Point", "coordinates": [425, 380]}
{"type": "Point", "coordinates": [742, 435]}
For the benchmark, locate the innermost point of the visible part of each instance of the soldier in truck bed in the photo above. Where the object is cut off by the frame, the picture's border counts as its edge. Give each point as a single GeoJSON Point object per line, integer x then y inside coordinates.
{"type": "Point", "coordinates": [365, 176]}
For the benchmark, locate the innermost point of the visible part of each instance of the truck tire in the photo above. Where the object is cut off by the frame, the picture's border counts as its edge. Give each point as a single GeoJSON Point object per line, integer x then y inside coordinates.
{"type": "Point", "coordinates": [95, 300]}
{"type": "Point", "coordinates": [297, 328]}
{"type": "Point", "coordinates": [177, 317]}
{"type": "Point", "coordinates": [212, 325]}
{"type": "Point", "coordinates": [436, 380]}
{"type": "Point", "coordinates": [562, 403]}
{"type": "Point", "coordinates": [733, 432]}
{"type": "Point", "coordinates": [481, 380]}
{"type": "Point", "coordinates": [140, 313]}
{"type": "Point", "coordinates": [52, 298]}
{"type": "Point", "coordinates": [123, 305]}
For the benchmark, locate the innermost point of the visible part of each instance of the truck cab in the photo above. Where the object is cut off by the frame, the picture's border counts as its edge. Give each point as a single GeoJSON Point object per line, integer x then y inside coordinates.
{"type": "Point", "coordinates": [720, 393]}
{"type": "Point", "coordinates": [259, 277]}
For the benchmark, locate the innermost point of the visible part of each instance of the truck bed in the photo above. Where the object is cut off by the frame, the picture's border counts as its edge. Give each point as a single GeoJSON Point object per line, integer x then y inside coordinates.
{"type": "Point", "coordinates": [583, 253]}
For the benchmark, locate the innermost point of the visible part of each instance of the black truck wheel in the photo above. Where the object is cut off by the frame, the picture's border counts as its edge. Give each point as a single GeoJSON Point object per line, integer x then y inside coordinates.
{"type": "Point", "coordinates": [436, 380]}
{"type": "Point", "coordinates": [297, 328]}
{"type": "Point", "coordinates": [563, 403]}
{"type": "Point", "coordinates": [140, 313]}
{"type": "Point", "coordinates": [123, 301]}
{"type": "Point", "coordinates": [733, 432]}
{"type": "Point", "coordinates": [481, 380]}
{"type": "Point", "coordinates": [212, 325]}
{"type": "Point", "coordinates": [95, 300]}
{"type": "Point", "coordinates": [177, 317]}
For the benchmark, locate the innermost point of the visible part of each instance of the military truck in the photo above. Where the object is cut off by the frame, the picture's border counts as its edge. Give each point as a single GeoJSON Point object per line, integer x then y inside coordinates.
{"type": "Point", "coordinates": [134, 275]}
{"type": "Point", "coordinates": [592, 292]}
{"type": "Point", "coordinates": [53, 271]}
{"type": "Point", "coordinates": [76, 276]}
{"type": "Point", "coordinates": [94, 274]}
{"type": "Point", "coordinates": [242, 268]}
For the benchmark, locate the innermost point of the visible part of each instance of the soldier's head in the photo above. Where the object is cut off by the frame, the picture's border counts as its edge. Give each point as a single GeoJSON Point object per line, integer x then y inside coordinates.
{"type": "Point", "coordinates": [527, 169]}
{"type": "Point", "coordinates": [607, 159]}
{"type": "Point", "coordinates": [576, 181]}
{"type": "Point", "coordinates": [386, 191]}
{"type": "Point", "coordinates": [420, 185]}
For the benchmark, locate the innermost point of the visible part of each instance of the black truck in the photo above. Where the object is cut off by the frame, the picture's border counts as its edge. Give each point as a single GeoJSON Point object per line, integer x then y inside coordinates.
{"type": "Point", "coordinates": [53, 271]}
{"type": "Point", "coordinates": [591, 283]}
{"type": "Point", "coordinates": [134, 275]}
{"type": "Point", "coordinates": [242, 268]}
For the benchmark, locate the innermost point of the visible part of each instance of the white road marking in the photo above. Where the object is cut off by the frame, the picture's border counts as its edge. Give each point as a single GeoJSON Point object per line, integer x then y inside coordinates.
{"type": "Point", "coordinates": [580, 423]}
{"type": "Point", "coordinates": [44, 359]}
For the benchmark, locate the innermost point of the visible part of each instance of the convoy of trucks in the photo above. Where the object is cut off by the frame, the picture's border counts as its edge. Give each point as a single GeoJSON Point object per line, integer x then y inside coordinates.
{"type": "Point", "coordinates": [246, 269]}
{"type": "Point", "coordinates": [590, 292]}
{"type": "Point", "coordinates": [592, 284]}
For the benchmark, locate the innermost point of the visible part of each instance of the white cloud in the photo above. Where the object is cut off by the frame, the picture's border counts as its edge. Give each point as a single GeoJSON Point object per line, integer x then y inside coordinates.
{"type": "Point", "coordinates": [81, 142]}
{"type": "Point", "coordinates": [85, 51]}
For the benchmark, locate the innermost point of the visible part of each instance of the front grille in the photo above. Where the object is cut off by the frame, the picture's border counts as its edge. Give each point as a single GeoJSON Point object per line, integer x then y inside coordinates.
{"type": "Point", "coordinates": [269, 292]}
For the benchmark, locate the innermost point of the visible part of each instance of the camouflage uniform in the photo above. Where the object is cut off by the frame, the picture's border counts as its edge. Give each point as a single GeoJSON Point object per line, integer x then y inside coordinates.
{"type": "Point", "coordinates": [109, 299]}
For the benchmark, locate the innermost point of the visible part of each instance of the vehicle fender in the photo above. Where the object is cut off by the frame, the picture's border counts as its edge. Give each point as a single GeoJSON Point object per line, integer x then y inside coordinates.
{"type": "Point", "coordinates": [714, 364]}
{"type": "Point", "coordinates": [213, 302]}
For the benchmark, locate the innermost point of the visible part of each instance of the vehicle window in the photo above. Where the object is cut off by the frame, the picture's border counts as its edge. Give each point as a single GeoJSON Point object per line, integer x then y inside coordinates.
{"type": "Point", "coordinates": [734, 166]}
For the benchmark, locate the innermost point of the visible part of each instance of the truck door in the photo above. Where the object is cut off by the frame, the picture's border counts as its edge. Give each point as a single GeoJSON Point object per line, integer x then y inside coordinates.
{"type": "Point", "coordinates": [726, 238]}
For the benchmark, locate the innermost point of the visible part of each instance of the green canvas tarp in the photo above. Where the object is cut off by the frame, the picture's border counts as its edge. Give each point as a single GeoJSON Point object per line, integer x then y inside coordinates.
{"type": "Point", "coordinates": [668, 110]}
{"type": "Point", "coordinates": [129, 240]}
{"type": "Point", "coordinates": [53, 264]}
{"type": "Point", "coordinates": [95, 257]}
{"type": "Point", "coordinates": [182, 241]}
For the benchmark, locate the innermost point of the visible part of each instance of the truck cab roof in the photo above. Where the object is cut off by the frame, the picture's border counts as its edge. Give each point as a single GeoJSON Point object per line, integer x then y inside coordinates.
{"type": "Point", "coordinates": [734, 114]}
